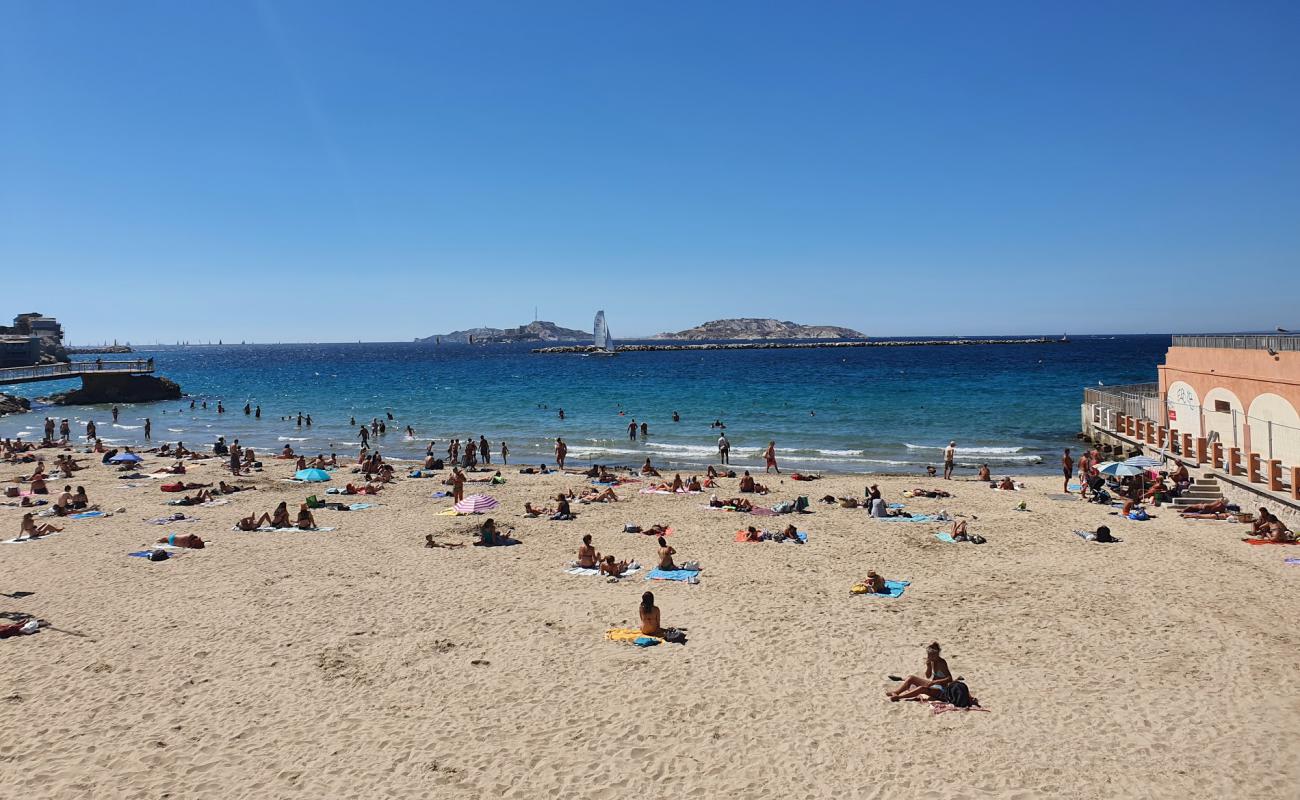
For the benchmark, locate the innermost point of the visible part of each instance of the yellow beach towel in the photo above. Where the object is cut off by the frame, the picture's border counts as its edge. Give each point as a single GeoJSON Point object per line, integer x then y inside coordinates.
{"type": "Point", "coordinates": [450, 512]}
{"type": "Point", "coordinates": [626, 635]}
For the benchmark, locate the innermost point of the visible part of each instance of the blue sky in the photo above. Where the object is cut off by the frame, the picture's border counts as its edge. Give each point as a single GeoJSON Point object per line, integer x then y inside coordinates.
{"type": "Point", "coordinates": [326, 171]}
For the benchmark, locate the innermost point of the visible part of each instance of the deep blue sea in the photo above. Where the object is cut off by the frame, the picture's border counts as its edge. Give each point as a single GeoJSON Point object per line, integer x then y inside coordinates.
{"type": "Point", "coordinates": [871, 409]}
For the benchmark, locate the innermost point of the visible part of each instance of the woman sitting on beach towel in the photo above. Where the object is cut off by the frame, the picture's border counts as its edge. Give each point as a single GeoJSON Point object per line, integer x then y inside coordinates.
{"type": "Point", "coordinates": [489, 535]}
{"type": "Point", "coordinates": [873, 583]}
{"type": "Point", "coordinates": [788, 534]}
{"type": "Point", "coordinates": [1007, 485]}
{"type": "Point", "coordinates": [937, 675]}
{"type": "Point", "coordinates": [984, 474]}
{"type": "Point", "coordinates": [1275, 531]}
{"type": "Point", "coordinates": [649, 471]}
{"type": "Point", "coordinates": [306, 521]}
{"type": "Point", "coordinates": [666, 553]}
{"type": "Point", "coordinates": [588, 558]}
{"type": "Point", "coordinates": [31, 530]}
{"type": "Point", "coordinates": [694, 485]}
{"type": "Point", "coordinates": [190, 540]}
{"type": "Point", "coordinates": [648, 613]}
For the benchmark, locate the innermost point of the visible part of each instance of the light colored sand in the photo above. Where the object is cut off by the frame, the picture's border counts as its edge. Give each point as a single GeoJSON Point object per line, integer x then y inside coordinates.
{"type": "Point", "coordinates": [340, 665]}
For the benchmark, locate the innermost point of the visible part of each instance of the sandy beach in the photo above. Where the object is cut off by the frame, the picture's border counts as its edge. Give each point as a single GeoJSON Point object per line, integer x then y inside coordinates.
{"type": "Point", "coordinates": [358, 663]}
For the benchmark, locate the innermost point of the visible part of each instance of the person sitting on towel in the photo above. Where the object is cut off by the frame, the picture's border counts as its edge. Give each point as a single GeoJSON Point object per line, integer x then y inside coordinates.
{"type": "Point", "coordinates": [562, 510]}
{"type": "Point", "coordinates": [488, 535]}
{"type": "Point", "coordinates": [648, 470]}
{"type": "Point", "coordinates": [613, 568]}
{"type": "Point", "coordinates": [666, 553]}
{"type": "Point", "coordinates": [1260, 527]}
{"type": "Point", "coordinates": [694, 485]}
{"type": "Point", "coordinates": [753, 534]}
{"type": "Point", "coordinates": [874, 583]}
{"type": "Point", "coordinates": [648, 613]}
{"type": "Point", "coordinates": [280, 517]}
{"type": "Point", "coordinates": [1007, 485]}
{"type": "Point", "coordinates": [748, 485]}
{"type": "Point", "coordinates": [937, 675]}
{"type": "Point", "coordinates": [1278, 532]}
{"type": "Point", "coordinates": [31, 530]}
{"type": "Point", "coordinates": [984, 474]}
{"type": "Point", "coordinates": [306, 521]}
{"type": "Point", "coordinates": [587, 555]}
{"type": "Point", "coordinates": [959, 533]}
{"type": "Point", "coordinates": [190, 540]}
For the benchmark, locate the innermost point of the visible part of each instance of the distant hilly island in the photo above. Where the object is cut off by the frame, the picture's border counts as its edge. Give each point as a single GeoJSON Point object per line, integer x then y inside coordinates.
{"type": "Point", "coordinates": [743, 329]}
{"type": "Point", "coordinates": [749, 328]}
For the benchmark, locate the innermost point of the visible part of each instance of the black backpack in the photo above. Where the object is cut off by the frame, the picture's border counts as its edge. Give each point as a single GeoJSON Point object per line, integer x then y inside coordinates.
{"type": "Point", "coordinates": [957, 694]}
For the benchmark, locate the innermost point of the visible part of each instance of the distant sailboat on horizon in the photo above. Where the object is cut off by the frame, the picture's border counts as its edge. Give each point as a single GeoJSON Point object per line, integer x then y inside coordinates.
{"type": "Point", "coordinates": [601, 337]}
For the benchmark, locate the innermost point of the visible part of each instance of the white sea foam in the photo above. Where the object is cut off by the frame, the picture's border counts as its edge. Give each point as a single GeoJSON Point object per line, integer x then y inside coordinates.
{"type": "Point", "coordinates": [968, 450]}
{"type": "Point", "coordinates": [293, 438]}
{"type": "Point", "coordinates": [176, 430]}
{"type": "Point", "coordinates": [127, 427]}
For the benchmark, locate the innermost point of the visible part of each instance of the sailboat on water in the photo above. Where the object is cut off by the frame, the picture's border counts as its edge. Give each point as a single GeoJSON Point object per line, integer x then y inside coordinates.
{"type": "Point", "coordinates": [601, 338]}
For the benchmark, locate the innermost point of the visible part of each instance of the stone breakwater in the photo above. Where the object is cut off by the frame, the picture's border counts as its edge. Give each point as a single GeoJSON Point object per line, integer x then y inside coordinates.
{"type": "Point", "coordinates": [644, 348]}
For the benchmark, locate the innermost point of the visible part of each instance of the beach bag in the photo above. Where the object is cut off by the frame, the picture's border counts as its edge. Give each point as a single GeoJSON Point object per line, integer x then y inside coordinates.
{"type": "Point", "coordinates": [630, 528]}
{"type": "Point", "coordinates": [801, 503]}
{"type": "Point", "coordinates": [1139, 515]}
{"type": "Point", "coordinates": [975, 538]}
{"type": "Point", "coordinates": [957, 694]}
{"type": "Point", "coordinates": [784, 507]}
{"type": "Point", "coordinates": [674, 636]}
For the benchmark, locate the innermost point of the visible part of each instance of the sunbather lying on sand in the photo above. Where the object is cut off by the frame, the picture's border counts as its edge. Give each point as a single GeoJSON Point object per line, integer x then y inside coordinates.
{"type": "Point", "coordinates": [753, 534]}
{"type": "Point", "coordinates": [190, 540]}
{"type": "Point", "coordinates": [194, 500]}
{"type": "Point", "coordinates": [31, 530]}
{"type": "Point", "coordinates": [788, 534]}
{"type": "Point", "coordinates": [738, 503]}
{"type": "Point", "coordinates": [429, 542]}
{"type": "Point", "coordinates": [613, 568]}
{"type": "Point", "coordinates": [531, 510]}
{"type": "Point", "coordinates": [230, 488]}
{"type": "Point", "coordinates": [937, 674]}
{"type": "Point", "coordinates": [1219, 506]}
{"type": "Point", "coordinates": [597, 496]}
{"type": "Point", "coordinates": [923, 492]}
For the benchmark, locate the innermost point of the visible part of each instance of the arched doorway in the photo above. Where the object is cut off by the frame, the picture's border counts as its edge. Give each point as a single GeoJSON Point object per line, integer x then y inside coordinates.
{"type": "Point", "coordinates": [1275, 428]}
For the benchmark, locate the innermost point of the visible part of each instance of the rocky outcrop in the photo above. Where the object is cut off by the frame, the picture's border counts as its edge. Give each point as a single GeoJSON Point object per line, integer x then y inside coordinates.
{"type": "Point", "coordinates": [13, 405]}
{"type": "Point", "coordinates": [118, 389]}
{"type": "Point", "coordinates": [539, 331]}
{"type": "Point", "coordinates": [653, 348]}
{"type": "Point", "coordinates": [750, 328]}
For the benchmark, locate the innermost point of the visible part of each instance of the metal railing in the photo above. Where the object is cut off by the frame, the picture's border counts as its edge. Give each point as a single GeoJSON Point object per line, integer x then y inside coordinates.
{"type": "Point", "coordinates": [1275, 342]}
{"type": "Point", "coordinates": [1134, 399]}
{"type": "Point", "coordinates": [45, 372]}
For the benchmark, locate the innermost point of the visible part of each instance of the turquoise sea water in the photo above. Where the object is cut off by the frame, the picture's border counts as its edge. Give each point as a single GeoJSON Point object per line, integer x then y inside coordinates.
{"type": "Point", "coordinates": [881, 409]}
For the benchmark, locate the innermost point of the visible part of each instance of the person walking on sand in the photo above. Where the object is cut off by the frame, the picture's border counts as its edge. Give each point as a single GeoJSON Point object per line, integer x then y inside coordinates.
{"type": "Point", "coordinates": [1067, 467]}
{"type": "Point", "coordinates": [561, 450]}
{"type": "Point", "coordinates": [769, 456]}
{"type": "Point", "coordinates": [457, 485]}
{"type": "Point", "coordinates": [949, 456]}
{"type": "Point", "coordinates": [724, 449]}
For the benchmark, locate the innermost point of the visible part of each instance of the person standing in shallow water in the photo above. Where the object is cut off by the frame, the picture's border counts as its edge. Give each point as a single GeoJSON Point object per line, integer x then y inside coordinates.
{"type": "Point", "coordinates": [505, 452]}
{"type": "Point", "coordinates": [148, 429]}
{"type": "Point", "coordinates": [769, 456]}
{"type": "Point", "coordinates": [1067, 466]}
{"type": "Point", "coordinates": [724, 449]}
{"type": "Point", "coordinates": [949, 458]}
{"type": "Point", "coordinates": [631, 430]}
{"type": "Point", "coordinates": [561, 451]}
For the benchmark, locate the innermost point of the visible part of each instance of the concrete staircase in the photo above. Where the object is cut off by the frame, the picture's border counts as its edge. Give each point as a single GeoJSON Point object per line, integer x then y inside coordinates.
{"type": "Point", "coordinates": [1202, 490]}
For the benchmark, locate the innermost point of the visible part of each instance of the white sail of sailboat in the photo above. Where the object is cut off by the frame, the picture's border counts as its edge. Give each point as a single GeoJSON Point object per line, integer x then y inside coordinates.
{"type": "Point", "coordinates": [601, 337]}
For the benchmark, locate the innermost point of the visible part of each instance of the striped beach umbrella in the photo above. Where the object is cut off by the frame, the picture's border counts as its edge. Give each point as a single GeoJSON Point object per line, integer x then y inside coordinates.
{"type": "Point", "coordinates": [1145, 462]}
{"type": "Point", "coordinates": [477, 504]}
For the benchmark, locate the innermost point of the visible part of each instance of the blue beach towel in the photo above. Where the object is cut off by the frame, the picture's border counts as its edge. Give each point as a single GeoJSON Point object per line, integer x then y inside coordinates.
{"type": "Point", "coordinates": [913, 518]}
{"type": "Point", "coordinates": [657, 574]}
{"type": "Point", "coordinates": [645, 641]}
{"type": "Point", "coordinates": [360, 506]}
{"type": "Point", "coordinates": [86, 515]}
{"type": "Point", "coordinates": [946, 537]}
{"type": "Point", "coordinates": [145, 554]}
{"type": "Point", "coordinates": [894, 506]}
{"type": "Point", "coordinates": [892, 589]}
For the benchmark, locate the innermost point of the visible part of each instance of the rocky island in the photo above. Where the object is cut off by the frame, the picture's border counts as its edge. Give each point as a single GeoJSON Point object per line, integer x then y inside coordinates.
{"type": "Point", "coordinates": [755, 329]}
{"type": "Point", "coordinates": [537, 331]}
